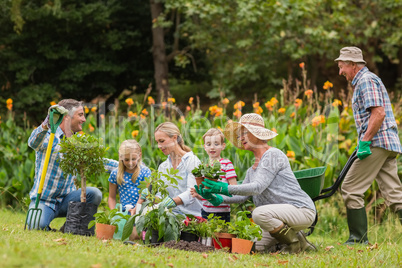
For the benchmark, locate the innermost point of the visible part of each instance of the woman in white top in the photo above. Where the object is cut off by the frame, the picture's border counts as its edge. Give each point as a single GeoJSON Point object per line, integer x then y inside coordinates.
{"type": "Point", "coordinates": [180, 157]}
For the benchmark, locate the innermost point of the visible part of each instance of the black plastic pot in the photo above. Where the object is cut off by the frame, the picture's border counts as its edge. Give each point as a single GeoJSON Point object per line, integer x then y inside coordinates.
{"type": "Point", "coordinates": [186, 236]}
{"type": "Point", "coordinates": [155, 236]}
{"type": "Point", "coordinates": [79, 215]}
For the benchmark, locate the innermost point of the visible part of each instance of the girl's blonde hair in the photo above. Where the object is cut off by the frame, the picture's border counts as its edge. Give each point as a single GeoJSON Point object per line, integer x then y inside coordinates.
{"type": "Point", "coordinates": [128, 146]}
{"type": "Point", "coordinates": [171, 129]}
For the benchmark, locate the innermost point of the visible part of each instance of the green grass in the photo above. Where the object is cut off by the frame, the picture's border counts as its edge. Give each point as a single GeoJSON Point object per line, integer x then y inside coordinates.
{"type": "Point", "coordinates": [19, 248]}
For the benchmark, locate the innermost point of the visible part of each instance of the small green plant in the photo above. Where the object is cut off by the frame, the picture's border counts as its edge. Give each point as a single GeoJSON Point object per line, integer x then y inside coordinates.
{"type": "Point", "coordinates": [83, 155]}
{"type": "Point", "coordinates": [108, 217]}
{"type": "Point", "coordinates": [194, 225]}
{"type": "Point", "coordinates": [244, 228]}
{"type": "Point", "coordinates": [153, 216]}
{"type": "Point", "coordinates": [211, 171]}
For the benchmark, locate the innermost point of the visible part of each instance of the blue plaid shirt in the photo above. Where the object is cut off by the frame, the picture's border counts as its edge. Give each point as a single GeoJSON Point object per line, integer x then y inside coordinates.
{"type": "Point", "coordinates": [56, 186]}
{"type": "Point", "coordinates": [369, 91]}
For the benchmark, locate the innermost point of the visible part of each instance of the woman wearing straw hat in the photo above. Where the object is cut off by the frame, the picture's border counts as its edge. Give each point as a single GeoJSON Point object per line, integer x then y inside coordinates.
{"type": "Point", "coordinates": [283, 209]}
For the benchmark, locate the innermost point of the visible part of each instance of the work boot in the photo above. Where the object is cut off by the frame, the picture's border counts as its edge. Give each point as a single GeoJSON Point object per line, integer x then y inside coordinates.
{"type": "Point", "coordinates": [399, 213]}
{"type": "Point", "coordinates": [357, 222]}
{"type": "Point", "coordinates": [305, 245]}
{"type": "Point", "coordinates": [288, 238]}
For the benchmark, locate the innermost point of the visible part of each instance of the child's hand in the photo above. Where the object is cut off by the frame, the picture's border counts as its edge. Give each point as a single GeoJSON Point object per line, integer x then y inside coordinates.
{"type": "Point", "coordinates": [195, 194]}
{"type": "Point", "coordinates": [132, 211]}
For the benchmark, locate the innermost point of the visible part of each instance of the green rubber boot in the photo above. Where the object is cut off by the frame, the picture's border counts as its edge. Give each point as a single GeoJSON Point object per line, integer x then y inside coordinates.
{"type": "Point", "coordinates": [357, 222]}
{"type": "Point", "coordinates": [305, 245]}
{"type": "Point", "coordinates": [399, 213]}
{"type": "Point", "coordinates": [288, 238]}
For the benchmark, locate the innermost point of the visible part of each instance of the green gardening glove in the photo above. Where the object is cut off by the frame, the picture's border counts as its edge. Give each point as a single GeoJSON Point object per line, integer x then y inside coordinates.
{"type": "Point", "coordinates": [216, 187]}
{"type": "Point", "coordinates": [168, 202]}
{"type": "Point", "coordinates": [214, 199]}
{"type": "Point", "coordinates": [364, 149]}
{"type": "Point", "coordinates": [144, 194]}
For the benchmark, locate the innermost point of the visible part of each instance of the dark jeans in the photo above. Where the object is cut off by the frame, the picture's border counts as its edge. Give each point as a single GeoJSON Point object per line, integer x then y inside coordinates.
{"type": "Point", "coordinates": [224, 215]}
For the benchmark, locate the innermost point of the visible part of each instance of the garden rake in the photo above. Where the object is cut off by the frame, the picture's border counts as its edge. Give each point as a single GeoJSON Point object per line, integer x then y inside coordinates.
{"type": "Point", "coordinates": [56, 115]}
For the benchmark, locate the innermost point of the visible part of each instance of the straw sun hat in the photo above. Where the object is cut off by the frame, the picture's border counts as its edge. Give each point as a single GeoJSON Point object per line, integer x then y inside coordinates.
{"type": "Point", "coordinates": [254, 123]}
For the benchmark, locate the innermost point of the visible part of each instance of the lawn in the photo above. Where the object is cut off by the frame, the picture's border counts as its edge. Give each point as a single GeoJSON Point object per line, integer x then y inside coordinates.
{"type": "Point", "coordinates": [21, 248]}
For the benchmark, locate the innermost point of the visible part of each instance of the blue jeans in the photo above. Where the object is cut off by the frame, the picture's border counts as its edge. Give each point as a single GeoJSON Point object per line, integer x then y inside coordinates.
{"type": "Point", "coordinates": [94, 196]}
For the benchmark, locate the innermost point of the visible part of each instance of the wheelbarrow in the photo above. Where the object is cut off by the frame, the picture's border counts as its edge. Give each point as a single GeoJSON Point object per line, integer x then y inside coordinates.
{"type": "Point", "coordinates": [312, 181]}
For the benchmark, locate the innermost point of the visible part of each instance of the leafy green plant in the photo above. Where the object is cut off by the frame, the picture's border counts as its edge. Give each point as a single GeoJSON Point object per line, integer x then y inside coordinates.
{"type": "Point", "coordinates": [153, 216]}
{"type": "Point", "coordinates": [244, 228]}
{"type": "Point", "coordinates": [195, 225]}
{"type": "Point", "coordinates": [83, 155]}
{"type": "Point", "coordinates": [211, 171]}
{"type": "Point", "coordinates": [108, 217]}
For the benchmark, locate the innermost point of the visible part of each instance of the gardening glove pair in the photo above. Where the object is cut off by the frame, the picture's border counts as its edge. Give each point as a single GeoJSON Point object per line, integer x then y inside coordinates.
{"type": "Point", "coordinates": [144, 194]}
{"type": "Point", "coordinates": [168, 202]}
{"type": "Point", "coordinates": [59, 109]}
{"type": "Point", "coordinates": [216, 187]}
{"type": "Point", "coordinates": [364, 149]}
{"type": "Point", "coordinates": [214, 199]}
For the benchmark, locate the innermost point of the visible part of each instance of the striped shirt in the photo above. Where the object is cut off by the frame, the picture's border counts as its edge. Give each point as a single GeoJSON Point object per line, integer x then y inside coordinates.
{"type": "Point", "coordinates": [369, 91]}
{"type": "Point", "coordinates": [56, 186]}
{"type": "Point", "coordinates": [230, 173]}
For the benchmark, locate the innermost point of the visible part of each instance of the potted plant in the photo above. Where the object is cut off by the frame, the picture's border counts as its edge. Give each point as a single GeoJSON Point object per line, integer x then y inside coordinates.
{"type": "Point", "coordinates": [192, 228]}
{"type": "Point", "coordinates": [157, 222]}
{"type": "Point", "coordinates": [222, 239]}
{"type": "Point", "coordinates": [210, 171]}
{"type": "Point", "coordinates": [106, 223]}
{"type": "Point", "coordinates": [246, 232]}
{"type": "Point", "coordinates": [83, 156]}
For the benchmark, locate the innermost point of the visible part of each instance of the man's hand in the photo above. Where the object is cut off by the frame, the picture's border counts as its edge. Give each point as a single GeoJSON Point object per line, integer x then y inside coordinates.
{"type": "Point", "coordinates": [364, 149]}
{"type": "Point", "coordinates": [216, 187]}
{"type": "Point", "coordinates": [214, 199]}
{"type": "Point", "coordinates": [59, 109]}
{"type": "Point", "coordinates": [168, 202]}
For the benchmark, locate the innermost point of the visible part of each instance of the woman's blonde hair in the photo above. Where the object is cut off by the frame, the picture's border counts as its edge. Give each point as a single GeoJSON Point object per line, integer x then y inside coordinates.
{"type": "Point", "coordinates": [171, 129]}
{"type": "Point", "coordinates": [128, 146]}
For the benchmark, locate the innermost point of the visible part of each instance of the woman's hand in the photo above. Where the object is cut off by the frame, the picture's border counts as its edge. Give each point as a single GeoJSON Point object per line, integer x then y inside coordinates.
{"type": "Point", "coordinates": [216, 187]}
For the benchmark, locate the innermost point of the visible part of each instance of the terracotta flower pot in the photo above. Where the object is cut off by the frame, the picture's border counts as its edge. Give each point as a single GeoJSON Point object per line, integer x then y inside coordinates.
{"type": "Point", "coordinates": [104, 231]}
{"type": "Point", "coordinates": [210, 180]}
{"type": "Point", "coordinates": [241, 246]}
{"type": "Point", "coordinates": [225, 239]}
{"type": "Point", "coordinates": [199, 180]}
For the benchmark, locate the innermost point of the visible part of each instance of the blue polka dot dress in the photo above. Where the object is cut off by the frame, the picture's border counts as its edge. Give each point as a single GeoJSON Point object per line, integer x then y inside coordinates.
{"type": "Point", "coordinates": [129, 191]}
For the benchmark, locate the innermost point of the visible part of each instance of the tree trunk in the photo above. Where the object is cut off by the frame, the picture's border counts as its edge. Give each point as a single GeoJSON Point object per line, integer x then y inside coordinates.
{"type": "Point", "coordinates": [159, 54]}
{"type": "Point", "coordinates": [83, 187]}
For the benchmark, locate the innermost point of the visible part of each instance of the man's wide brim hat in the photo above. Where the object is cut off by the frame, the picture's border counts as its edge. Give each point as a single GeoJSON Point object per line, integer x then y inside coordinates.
{"type": "Point", "coordinates": [353, 54]}
{"type": "Point", "coordinates": [254, 123]}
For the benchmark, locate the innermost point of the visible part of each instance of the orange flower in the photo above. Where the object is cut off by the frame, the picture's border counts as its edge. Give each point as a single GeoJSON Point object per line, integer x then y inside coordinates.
{"type": "Point", "coordinates": [215, 110]}
{"type": "Point", "coordinates": [318, 120]}
{"type": "Point", "coordinates": [86, 109]}
{"type": "Point", "coordinates": [188, 108]}
{"type": "Point", "coordinates": [9, 104]}
{"type": "Point", "coordinates": [337, 103]}
{"type": "Point", "coordinates": [172, 100]}
{"type": "Point", "coordinates": [142, 116]}
{"type": "Point", "coordinates": [269, 105]}
{"type": "Point", "coordinates": [151, 100]}
{"type": "Point", "coordinates": [301, 65]}
{"type": "Point", "coordinates": [292, 115]}
{"type": "Point", "coordinates": [190, 100]}
{"type": "Point", "coordinates": [225, 101]}
{"type": "Point", "coordinates": [274, 130]}
{"type": "Point", "coordinates": [239, 105]}
{"type": "Point", "coordinates": [258, 110]}
{"type": "Point", "coordinates": [237, 113]}
{"type": "Point", "coordinates": [53, 103]}
{"type": "Point", "coordinates": [91, 128]}
{"type": "Point", "coordinates": [256, 104]}
{"type": "Point", "coordinates": [182, 120]}
{"type": "Point", "coordinates": [144, 112]}
{"type": "Point", "coordinates": [131, 114]}
{"type": "Point", "coordinates": [298, 103]}
{"type": "Point", "coordinates": [134, 133]}
{"type": "Point", "coordinates": [93, 109]}
{"type": "Point", "coordinates": [282, 110]}
{"type": "Point", "coordinates": [164, 104]}
{"type": "Point", "coordinates": [291, 154]}
{"type": "Point", "coordinates": [327, 85]}
{"type": "Point", "coordinates": [129, 101]}
{"type": "Point", "coordinates": [274, 101]}
{"type": "Point", "coordinates": [308, 93]}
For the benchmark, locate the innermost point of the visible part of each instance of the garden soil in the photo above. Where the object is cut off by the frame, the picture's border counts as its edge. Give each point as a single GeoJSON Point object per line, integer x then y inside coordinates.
{"type": "Point", "coordinates": [188, 246]}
